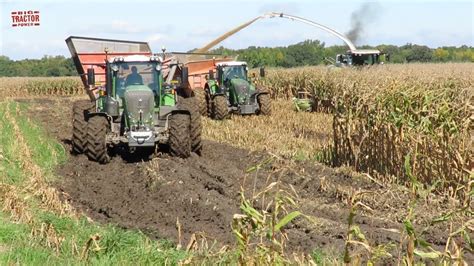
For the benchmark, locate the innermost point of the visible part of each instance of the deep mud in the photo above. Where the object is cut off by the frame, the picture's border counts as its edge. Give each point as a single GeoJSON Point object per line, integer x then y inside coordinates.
{"type": "Point", "coordinates": [202, 192]}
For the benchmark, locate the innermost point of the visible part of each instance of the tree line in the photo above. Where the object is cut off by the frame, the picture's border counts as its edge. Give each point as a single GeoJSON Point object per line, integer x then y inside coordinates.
{"type": "Point", "coordinates": [314, 52]}
{"type": "Point", "coordinates": [48, 66]}
{"type": "Point", "coordinates": [306, 53]}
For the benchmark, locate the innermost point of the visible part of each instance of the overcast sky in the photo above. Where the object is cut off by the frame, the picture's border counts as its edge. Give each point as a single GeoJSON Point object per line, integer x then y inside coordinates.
{"type": "Point", "coordinates": [184, 25]}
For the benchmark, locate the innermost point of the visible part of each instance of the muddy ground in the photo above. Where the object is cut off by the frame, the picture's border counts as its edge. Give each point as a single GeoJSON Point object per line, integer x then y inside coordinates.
{"type": "Point", "coordinates": [202, 192]}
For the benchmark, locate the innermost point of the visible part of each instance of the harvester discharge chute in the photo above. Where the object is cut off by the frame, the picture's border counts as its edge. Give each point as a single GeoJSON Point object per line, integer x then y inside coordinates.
{"type": "Point", "coordinates": [353, 56]}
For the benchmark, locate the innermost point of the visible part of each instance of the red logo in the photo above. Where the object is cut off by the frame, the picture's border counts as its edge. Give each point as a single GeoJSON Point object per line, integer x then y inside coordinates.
{"type": "Point", "coordinates": [25, 18]}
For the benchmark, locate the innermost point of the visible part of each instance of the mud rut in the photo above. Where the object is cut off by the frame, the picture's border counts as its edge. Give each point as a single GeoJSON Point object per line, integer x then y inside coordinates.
{"type": "Point", "coordinates": [203, 192]}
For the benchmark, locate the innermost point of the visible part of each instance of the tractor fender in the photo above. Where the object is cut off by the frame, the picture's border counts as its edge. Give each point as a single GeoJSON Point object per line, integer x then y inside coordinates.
{"type": "Point", "coordinates": [184, 92]}
{"type": "Point", "coordinates": [180, 111]}
{"type": "Point", "coordinates": [103, 114]}
{"type": "Point", "coordinates": [217, 94]}
{"type": "Point", "coordinates": [166, 116]}
{"type": "Point", "coordinates": [91, 114]}
{"type": "Point", "coordinates": [261, 92]}
{"type": "Point", "coordinates": [212, 87]}
{"type": "Point", "coordinates": [257, 93]}
{"type": "Point", "coordinates": [173, 112]}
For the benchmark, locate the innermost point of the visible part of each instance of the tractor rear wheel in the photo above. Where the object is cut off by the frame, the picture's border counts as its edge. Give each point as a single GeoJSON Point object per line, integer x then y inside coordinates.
{"type": "Point", "coordinates": [200, 95]}
{"type": "Point", "coordinates": [97, 128]}
{"type": "Point", "coordinates": [79, 125]}
{"type": "Point", "coordinates": [264, 103]}
{"type": "Point", "coordinates": [220, 110]}
{"type": "Point", "coordinates": [192, 105]}
{"type": "Point", "coordinates": [179, 135]}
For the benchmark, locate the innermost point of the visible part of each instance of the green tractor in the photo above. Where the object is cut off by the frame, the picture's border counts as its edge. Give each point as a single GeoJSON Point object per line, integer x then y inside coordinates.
{"type": "Point", "coordinates": [232, 91]}
{"type": "Point", "coordinates": [133, 106]}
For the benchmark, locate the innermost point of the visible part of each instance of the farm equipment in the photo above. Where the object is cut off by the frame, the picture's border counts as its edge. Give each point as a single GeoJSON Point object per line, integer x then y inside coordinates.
{"type": "Point", "coordinates": [361, 57]}
{"type": "Point", "coordinates": [131, 103]}
{"type": "Point", "coordinates": [223, 86]}
{"type": "Point", "coordinates": [304, 102]}
{"type": "Point", "coordinates": [353, 56]}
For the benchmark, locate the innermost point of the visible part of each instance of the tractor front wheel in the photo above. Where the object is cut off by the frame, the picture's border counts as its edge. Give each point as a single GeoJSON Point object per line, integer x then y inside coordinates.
{"type": "Point", "coordinates": [192, 106]}
{"type": "Point", "coordinates": [97, 128]}
{"type": "Point", "coordinates": [200, 96]}
{"type": "Point", "coordinates": [264, 103]}
{"type": "Point", "coordinates": [180, 135]}
{"type": "Point", "coordinates": [207, 95]}
{"type": "Point", "coordinates": [79, 125]}
{"type": "Point", "coordinates": [220, 110]}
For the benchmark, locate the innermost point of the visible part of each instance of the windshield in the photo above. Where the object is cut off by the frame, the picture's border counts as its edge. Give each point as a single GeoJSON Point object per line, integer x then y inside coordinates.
{"type": "Point", "coordinates": [366, 59]}
{"type": "Point", "coordinates": [232, 72]}
{"type": "Point", "coordinates": [136, 73]}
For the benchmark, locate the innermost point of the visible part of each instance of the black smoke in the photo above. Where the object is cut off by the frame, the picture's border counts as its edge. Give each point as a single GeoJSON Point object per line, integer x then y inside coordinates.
{"type": "Point", "coordinates": [366, 14]}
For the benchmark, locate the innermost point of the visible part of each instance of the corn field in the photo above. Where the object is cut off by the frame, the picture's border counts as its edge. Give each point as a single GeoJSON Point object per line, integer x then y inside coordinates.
{"type": "Point", "coordinates": [412, 122]}
{"type": "Point", "coordinates": [44, 86]}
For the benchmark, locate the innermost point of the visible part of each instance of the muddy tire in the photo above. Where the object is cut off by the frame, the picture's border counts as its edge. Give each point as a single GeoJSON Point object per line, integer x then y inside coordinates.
{"type": "Point", "coordinates": [97, 128]}
{"type": "Point", "coordinates": [79, 125]}
{"type": "Point", "coordinates": [264, 103]}
{"type": "Point", "coordinates": [207, 96]}
{"type": "Point", "coordinates": [180, 135]}
{"type": "Point", "coordinates": [219, 108]}
{"type": "Point", "coordinates": [192, 105]}
{"type": "Point", "coordinates": [200, 96]}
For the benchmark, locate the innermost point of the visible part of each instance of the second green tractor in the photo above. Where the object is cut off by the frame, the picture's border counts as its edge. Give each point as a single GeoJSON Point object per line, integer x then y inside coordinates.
{"type": "Point", "coordinates": [229, 89]}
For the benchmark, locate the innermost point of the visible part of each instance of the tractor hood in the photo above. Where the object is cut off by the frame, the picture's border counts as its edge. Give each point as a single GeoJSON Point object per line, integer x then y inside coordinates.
{"type": "Point", "coordinates": [139, 105]}
{"type": "Point", "coordinates": [243, 89]}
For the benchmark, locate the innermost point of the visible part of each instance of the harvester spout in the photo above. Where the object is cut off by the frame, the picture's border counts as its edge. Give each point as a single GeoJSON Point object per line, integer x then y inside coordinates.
{"type": "Point", "coordinates": [224, 36]}
{"type": "Point", "coordinates": [312, 23]}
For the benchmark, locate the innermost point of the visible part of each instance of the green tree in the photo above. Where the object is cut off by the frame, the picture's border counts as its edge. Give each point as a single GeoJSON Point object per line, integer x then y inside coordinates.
{"type": "Point", "coordinates": [441, 55]}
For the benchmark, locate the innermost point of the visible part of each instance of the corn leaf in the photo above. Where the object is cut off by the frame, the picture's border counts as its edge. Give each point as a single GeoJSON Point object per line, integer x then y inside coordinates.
{"type": "Point", "coordinates": [287, 219]}
{"type": "Point", "coordinates": [426, 255]}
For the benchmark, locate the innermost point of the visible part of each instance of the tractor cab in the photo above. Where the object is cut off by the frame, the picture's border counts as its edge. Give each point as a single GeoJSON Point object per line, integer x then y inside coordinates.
{"type": "Point", "coordinates": [127, 74]}
{"type": "Point", "coordinates": [361, 57]}
{"type": "Point", "coordinates": [226, 71]}
{"type": "Point", "coordinates": [138, 73]}
{"type": "Point", "coordinates": [233, 77]}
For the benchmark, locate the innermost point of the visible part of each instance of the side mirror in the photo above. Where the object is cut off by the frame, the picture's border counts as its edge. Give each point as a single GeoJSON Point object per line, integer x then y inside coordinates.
{"type": "Point", "coordinates": [262, 72]}
{"type": "Point", "coordinates": [184, 75]}
{"type": "Point", "coordinates": [211, 74]}
{"type": "Point", "coordinates": [90, 76]}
